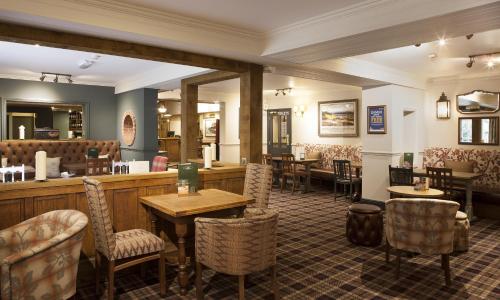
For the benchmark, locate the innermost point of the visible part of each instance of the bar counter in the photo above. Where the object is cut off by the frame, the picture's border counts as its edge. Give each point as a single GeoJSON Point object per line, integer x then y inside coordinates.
{"type": "Point", "coordinates": [20, 201]}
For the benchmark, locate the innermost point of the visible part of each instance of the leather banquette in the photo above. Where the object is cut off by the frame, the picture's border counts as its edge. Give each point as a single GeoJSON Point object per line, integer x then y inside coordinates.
{"type": "Point", "coordinates": [72, 153]}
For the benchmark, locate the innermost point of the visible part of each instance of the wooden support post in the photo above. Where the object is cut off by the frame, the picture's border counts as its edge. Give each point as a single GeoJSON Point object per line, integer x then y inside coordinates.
{"type": "Point", "coordinates": [251, 83]}
{"type": "Point", "coordinates": [189, 121]}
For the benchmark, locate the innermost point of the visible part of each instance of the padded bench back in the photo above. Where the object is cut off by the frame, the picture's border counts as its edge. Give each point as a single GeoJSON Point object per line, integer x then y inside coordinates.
{"type": "Point", "coordinates": [23, 152]}
{"type": "Point", "coordinates": [331, 152]}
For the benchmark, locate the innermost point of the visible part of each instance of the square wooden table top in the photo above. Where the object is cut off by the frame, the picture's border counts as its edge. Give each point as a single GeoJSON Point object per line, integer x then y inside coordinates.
{"type": "Point", "coordinates": [203, 201]}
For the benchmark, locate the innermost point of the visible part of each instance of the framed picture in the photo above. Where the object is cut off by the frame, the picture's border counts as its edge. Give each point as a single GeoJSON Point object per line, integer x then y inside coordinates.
{"type": "Point", "coordinates": [376, 119]}
{"type": "Point", "coordinates": [210, 127]}
{"type": "Point", "coordinates": [338, 118]}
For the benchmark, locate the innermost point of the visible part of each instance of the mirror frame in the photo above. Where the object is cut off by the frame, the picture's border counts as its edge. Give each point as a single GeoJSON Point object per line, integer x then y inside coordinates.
{"type": "Point", "coordinates": [480, 112]}
{"type": "Point", "coordinates": [479, 144]}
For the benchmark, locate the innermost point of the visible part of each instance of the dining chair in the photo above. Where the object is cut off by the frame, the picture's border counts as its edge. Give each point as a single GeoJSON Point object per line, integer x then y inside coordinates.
{"type": "Point", "coordinates": [160, 164]}
{"type": "Point", "coordinates": [258, 182]}
{"type": "Point", "coordinates": [121, 249]}
{"type": "Point", "coordinates": [424, 226]}
{"type": "Point", "coordinates": [400, 176]}
{"type": "Point", "coordinates": [342, 172]}
{"type": "Point", "coordinates": [441, 179]}
{"type": "Point", "coordinates": [237, 246]}
{"type": "Point", "coordinates": [39, 257]}
{"type": "Point", "coordinates": [289, 170]}
{"type": "Point", "coordinates": [267, 159]}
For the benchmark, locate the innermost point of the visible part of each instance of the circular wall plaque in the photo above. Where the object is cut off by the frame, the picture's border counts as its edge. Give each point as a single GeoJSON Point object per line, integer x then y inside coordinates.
{"type": "Point", "coordinates": [128, 128]}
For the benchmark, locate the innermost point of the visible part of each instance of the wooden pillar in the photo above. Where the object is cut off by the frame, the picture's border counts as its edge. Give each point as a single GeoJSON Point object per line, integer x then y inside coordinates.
{"type": "Point", "coordinates": [189, 121]}
{"type": "Point", "coordinates": [251, 84]}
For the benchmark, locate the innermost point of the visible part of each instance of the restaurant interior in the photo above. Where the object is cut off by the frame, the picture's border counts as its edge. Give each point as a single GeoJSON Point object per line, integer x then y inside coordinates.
{"type": "Point", "coordinates": [197, 161]}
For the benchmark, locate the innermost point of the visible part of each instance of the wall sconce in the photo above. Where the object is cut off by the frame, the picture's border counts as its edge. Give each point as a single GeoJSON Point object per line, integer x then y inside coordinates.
{"type": "Point", "coordinates": [443, 107]}
{"type": "Point", "coordinates": [299, 109]}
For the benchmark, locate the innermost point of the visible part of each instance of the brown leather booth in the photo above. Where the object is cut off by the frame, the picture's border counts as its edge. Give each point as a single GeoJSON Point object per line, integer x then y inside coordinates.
{"type": "Point", "coordinates": [72, 152]}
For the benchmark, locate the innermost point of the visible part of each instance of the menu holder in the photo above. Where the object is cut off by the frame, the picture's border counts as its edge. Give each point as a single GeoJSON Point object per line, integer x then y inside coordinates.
{"type": "Point", "coordinates": [189, 172]}
{"type": "Point", "coordinates": [408, 160]}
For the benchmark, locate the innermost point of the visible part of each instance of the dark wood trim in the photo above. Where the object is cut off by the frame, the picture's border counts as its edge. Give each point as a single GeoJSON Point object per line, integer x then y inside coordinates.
{"type": "Point", "coordinates": [24, 34]}
{"type": "Point", "coordinates": [477, 112]}
{"type": "Point", "coordinates": [479, 144]}
{"type": "Point", "coordinates": [210, 77]}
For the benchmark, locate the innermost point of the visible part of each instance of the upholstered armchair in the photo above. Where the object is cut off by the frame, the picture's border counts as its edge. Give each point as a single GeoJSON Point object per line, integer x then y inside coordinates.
{"type": "Point", "coordinates": [40, 256]}
{"type": "Point", "coordinates": [258, 183]}
{"type": "Point", "coordinates": [122, 249]}
{"type": "Point", "coordinates": [423, 226]}
{"type": "Point", "coordinates": [237, 246]}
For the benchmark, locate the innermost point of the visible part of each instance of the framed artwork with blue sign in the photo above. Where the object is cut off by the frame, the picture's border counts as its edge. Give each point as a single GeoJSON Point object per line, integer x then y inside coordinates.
{"type": "Point", "coordinates": [377, 119]}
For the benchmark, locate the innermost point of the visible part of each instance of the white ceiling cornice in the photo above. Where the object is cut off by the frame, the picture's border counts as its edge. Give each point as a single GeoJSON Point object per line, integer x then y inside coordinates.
{"type": "Point", "coordinates": [449, 79]}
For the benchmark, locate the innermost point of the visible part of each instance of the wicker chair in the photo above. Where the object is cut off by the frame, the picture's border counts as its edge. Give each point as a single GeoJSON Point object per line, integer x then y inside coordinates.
{"type": "Point", "coordinates": [423, 226]}
{"type": "Point", "coordinates": [40, 256]}
{"type": "Point", "coordinates": [258, 182]}
{"type": "Point", "coordinates": [122, 249]}
{"type": "Point", "coordinates": [237, 246]}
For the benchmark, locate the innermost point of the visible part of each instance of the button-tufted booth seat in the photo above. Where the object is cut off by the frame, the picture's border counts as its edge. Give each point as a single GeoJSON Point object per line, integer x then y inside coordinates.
{"type": "Point", "coordinates": [72, 153]}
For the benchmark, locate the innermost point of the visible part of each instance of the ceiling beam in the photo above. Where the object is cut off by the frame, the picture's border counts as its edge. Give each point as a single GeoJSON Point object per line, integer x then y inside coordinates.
{"type": "Point", "coordinates": [211, 77]}
{"type": "Point", "coordinates": [58, 39]}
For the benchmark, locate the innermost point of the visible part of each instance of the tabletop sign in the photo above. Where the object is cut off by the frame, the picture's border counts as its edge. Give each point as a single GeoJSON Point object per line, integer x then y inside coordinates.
{"type": "Point", "coordinates": [376, 119]}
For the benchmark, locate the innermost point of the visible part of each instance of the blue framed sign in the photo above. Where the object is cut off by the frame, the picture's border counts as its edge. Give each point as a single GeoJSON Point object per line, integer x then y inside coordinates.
{"type": "Point", "coordinates": [376, 119]}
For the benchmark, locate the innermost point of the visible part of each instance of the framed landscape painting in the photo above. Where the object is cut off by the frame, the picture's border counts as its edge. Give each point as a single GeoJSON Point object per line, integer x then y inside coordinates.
{"type": "Point", "coordinates": [376, 122]}
{"type": "Point", "coordinates": [210, 127]}
{"type": "Point", "coordinates": [338, 118]}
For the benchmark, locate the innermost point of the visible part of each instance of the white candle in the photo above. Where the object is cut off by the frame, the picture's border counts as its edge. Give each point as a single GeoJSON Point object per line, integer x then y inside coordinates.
{"type": "Point", "coordinates": [207, 154]}
{"type": "Point", "coordinates": [21, 132]}
{"type": "Point", "coordinates": [41, 165]}
{"type": "Point", "coordinates": [214, 151]}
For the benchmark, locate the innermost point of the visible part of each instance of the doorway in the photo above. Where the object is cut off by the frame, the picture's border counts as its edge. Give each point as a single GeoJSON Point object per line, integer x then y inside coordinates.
{"type": "Point", "coordinates": [279, 131]}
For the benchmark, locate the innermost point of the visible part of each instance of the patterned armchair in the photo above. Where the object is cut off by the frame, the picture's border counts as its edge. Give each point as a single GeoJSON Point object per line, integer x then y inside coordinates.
{"type": "Point", "coordinates": [423, 226]}
{"type": "Point", "coordinates": [237, 246]}
{"type": "Point", "coordinates": [258, 183]}
{"type": "Point", "coordinates": [40, 256]}
{"type": "Point", "coordinates": [122, 249]}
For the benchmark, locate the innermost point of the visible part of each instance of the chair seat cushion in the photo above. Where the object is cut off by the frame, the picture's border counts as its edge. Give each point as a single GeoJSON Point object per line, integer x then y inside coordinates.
{"type": "Point", "coordinates": [136, 242]}
{"type": "Point", "coordinates": [461, 215]}
{"type": "Point", "coordinates": [364, 208]}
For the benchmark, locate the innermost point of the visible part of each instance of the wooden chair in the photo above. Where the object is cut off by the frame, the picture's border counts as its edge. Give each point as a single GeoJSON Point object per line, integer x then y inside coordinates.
{"type": "Point", "coordinates": [400, 176]}
{"type": "Point", "coordinates": [342, 174]}
{"type": "Point", "coordinates": [97, 166]}
{"type": "Point", "coordinates": [237, 246]}
{"type": "Point", "coordinates": [122, 249]}
{"type": "Point", "coordinates": [441, 179]}
{"type": "Point", "coordinates": [258, 182]}
{"type": "Point", "coordinates": [267, 159]}
{"type": "Point", "coordinates": [289, 170]}
{"type": "Point", "coordinates": [423, 226]}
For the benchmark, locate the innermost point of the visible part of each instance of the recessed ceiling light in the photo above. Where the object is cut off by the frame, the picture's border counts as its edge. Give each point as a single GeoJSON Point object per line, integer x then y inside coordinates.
{"type": "Point", "coordinates": [432, 55]}
{"type": "Point", "coordinates": [490, 64]}
{"type": "Point", "coordinates": [442, 42]}
{"type": "Point", "coordinates": [37, 45]}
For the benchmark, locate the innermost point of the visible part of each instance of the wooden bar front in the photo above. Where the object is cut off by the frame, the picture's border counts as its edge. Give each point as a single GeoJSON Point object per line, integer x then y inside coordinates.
{"type": "Point", "coordinates": [20, 201]}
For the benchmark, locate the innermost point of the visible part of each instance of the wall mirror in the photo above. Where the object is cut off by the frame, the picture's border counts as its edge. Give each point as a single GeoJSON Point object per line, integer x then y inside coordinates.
{"type": "Point", "coordinates": [478, 131]}
{"type": "Point", "coordinates": [477, 102]}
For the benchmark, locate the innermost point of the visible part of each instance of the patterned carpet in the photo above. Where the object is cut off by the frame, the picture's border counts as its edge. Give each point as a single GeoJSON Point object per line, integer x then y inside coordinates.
{"type": "Point", "coordinates": [315, 261]}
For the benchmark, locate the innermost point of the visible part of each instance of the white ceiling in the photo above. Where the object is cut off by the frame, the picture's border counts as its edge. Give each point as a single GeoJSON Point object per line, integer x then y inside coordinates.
{"type": "Point", "coordinates": [256, 15]}
{"type": "Point", "coordinates": [450, 61]}
{"type": "Point", "coordinates": [274, 81]}
{"type": "Point", "coordinates": [28, 61]}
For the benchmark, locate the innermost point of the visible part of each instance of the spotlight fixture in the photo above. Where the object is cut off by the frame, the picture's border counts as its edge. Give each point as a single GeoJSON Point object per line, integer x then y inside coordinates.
{"type": "Point", "coordinates": [418, 45]}
{"type": "Point", "coordinates": [471, 62]}
{"type": "Point", "coordinates": [283, 91]}
{"type": "Point", "coordinates": [469, 36]}
{"type": "Point", "coordinates": [489, 58]}
{"type": "Point", "coordinates": [56, 76]}
{"type": "Point", "coordinates": [162, 109]}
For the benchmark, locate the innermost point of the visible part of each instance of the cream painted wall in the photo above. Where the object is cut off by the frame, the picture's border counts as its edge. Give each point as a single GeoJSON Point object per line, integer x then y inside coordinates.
{"type": "Point", "coordinates": [444, 133]}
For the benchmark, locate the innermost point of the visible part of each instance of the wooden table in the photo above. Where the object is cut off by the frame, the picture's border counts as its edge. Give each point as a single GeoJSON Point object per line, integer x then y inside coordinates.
{"type": "Point", "coordinates": [409, 191]}
{"type": "Point", "coordinates": [307, 165]}
{"type": "Point", "coordinates": [464, 178]}
{"type": "Point", "coordinates": [181, 212]}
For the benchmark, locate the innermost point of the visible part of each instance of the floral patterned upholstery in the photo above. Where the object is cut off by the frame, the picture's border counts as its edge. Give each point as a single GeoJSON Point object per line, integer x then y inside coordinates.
{"type": "Point", "coordinates": [258, 183]}
{"type": "Point", "coordinates": [421, 225]}
{"type": "Point", "coordinates": [238, 246]}
{"type": "Point", "coordinates": [486, 162]}
{"type": "Point", "coordinates": [332, 152]}
{"type": "Point", "coordinates": [116, 245]}
{"type": "Point", "coordinates": [40, 256]}
{"type": "Point", "coordinates": [159, 164]}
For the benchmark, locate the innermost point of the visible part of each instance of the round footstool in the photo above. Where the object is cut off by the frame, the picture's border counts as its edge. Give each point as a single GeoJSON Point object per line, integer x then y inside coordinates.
{"type": "Point", "coordinates": [364, 225]}
{"type": "Point", "coordinates": [461, 236]}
